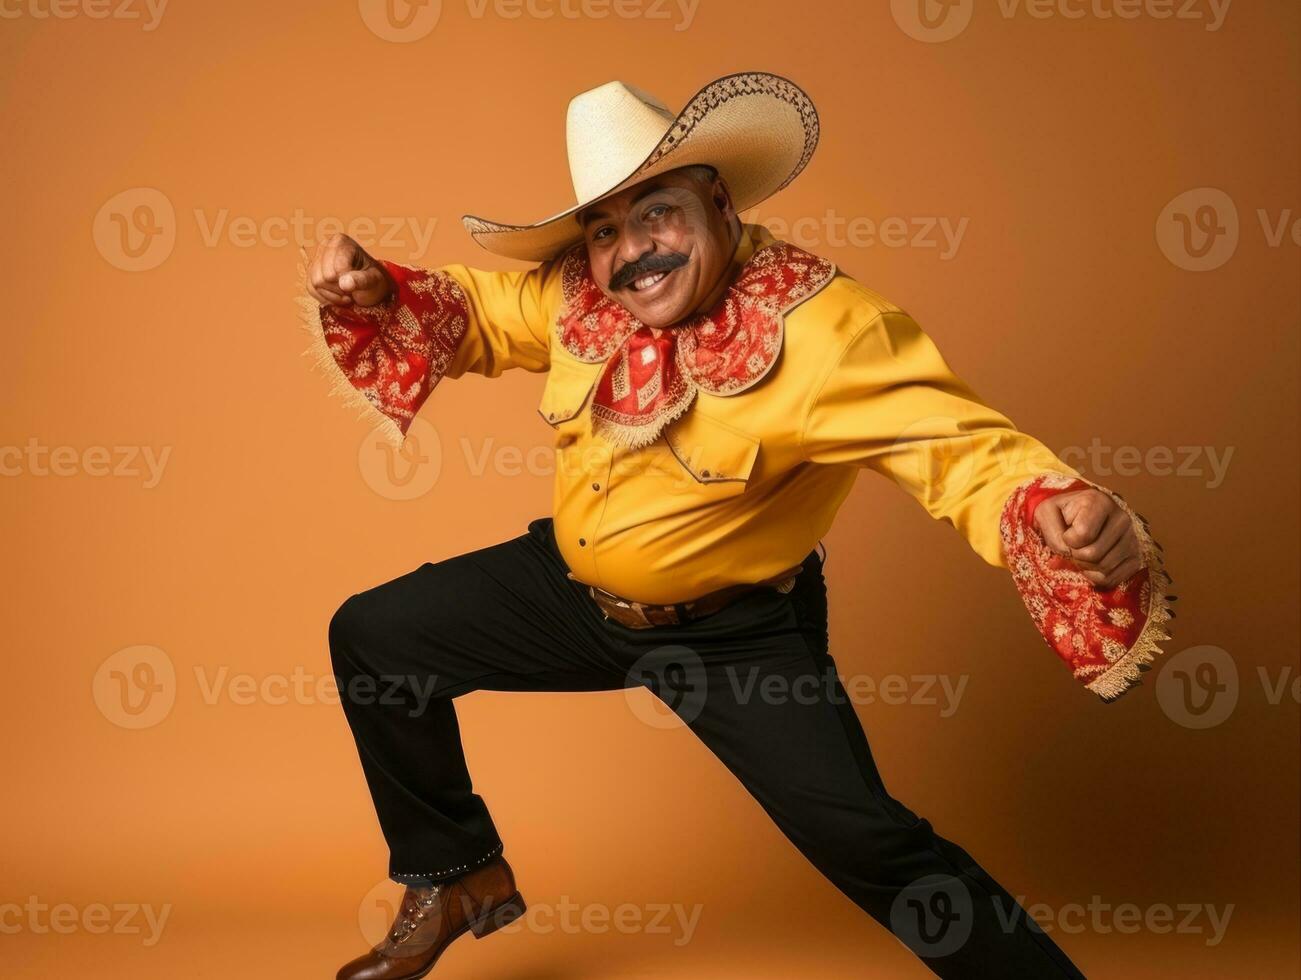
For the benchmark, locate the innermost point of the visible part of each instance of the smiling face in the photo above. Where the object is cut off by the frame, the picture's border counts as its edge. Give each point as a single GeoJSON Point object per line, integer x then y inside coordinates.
{"type": "Point", "coordinates": [662, 248]}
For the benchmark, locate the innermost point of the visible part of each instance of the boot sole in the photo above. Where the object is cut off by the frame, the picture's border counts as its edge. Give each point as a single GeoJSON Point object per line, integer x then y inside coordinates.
{"type": "Point", "coordinates": [503, 915]}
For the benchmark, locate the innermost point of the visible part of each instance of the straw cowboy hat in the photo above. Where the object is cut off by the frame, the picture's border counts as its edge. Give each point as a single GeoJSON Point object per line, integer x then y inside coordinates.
{"type": "Point", "coordinates": [757, 130]}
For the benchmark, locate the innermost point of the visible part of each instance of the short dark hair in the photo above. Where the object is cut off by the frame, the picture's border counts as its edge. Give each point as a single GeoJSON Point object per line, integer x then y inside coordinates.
{"type": "Point", "coordinates": [701, 172]}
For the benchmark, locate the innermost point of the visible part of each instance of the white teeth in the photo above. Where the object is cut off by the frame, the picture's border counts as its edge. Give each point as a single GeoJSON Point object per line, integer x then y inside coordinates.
{"type": "Point", "coordinates": [650, 280]}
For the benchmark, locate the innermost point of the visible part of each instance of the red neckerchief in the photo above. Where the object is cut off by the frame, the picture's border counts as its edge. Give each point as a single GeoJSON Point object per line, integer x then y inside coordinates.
{"type": "Point", "coordinates": [652, 375]}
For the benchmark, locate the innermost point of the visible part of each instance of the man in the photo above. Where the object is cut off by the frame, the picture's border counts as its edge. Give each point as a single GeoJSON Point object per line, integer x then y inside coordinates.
{"type": "Point", "coordinates": [713, 394]}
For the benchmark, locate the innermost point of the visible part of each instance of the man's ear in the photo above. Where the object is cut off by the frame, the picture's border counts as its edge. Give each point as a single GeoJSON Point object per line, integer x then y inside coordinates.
{"type": "Point", "coordinates": [722, 198]}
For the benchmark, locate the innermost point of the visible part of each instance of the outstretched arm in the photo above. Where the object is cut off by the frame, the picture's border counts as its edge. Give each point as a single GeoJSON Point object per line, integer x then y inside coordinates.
{"type": "Point", "coordinates": [389, 333]}
{"type": "Point", "coordinates": [889, 402]}
{"type": "Point", "coordinates": [1084, 564]}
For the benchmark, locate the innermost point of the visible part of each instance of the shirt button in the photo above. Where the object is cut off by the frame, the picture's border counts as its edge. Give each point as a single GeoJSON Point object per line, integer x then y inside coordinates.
{"type": "Point", "coordinates": [596, 486]}
{"type": "Point", "coordinates": [582, 542]}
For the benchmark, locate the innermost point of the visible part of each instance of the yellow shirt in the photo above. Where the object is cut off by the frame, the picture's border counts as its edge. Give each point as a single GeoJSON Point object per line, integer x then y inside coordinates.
{"type": "Point", "coordinates": [742, 487]}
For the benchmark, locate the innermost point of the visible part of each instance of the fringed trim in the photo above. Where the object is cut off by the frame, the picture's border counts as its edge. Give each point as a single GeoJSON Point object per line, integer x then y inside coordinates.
{"type": "Point", "coordinates": [609, 425]}
{"type": "Point", "coordinates": [1128, 670]}
{"type": "Point", "coordinates": [323, 360]}
{"type": "Point", "coordinates": [1107, 639]}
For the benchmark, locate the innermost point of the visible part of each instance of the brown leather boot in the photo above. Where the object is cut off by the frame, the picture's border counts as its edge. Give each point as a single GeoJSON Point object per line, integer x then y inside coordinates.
{"type": "Point", "coordinates": [480, 902]}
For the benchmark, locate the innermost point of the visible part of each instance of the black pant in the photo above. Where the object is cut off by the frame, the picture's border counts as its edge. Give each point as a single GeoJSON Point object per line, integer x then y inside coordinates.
{"type": "Point", "coordinates": [754, 682]}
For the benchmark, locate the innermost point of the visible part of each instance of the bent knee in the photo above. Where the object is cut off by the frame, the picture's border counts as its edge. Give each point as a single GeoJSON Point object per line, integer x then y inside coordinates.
{"type": "Point", "coordinates": [885, 854]}
{"type": "Point", "coordinates": [348, 632]}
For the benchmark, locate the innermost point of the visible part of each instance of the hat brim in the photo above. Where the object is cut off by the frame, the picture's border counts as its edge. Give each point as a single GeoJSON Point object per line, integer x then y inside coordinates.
{"type": "Point", "coordinates": [756, 129]}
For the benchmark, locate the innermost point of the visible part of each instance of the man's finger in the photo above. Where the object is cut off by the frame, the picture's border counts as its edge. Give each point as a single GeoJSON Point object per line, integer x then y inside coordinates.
{"type": "Point", "coordinates": [1127, 570]}
{"type": "Point", "coordinates": [1117, 524]}
{"type": "Point", "coordinates": [330, 298]}
{"type": "Point", "coordinates": [325, 292]}
{"type": "Point", "coordinates": [323, 261]}
{"type": "Point", "coordinates": [361, 281]}
{"type": "Point", "coordinates": [341, 258]}
{"type": "Point", "coordinates": [315, 276]}
{"type": "Point", "coordinates": [1123, 550]}
{"type": "Point", "coordinates": [319, 287]}
{"type": "Point", "coordinates": [1051, 525]}
{"type": "Point", "coordinates": [1086, 522]}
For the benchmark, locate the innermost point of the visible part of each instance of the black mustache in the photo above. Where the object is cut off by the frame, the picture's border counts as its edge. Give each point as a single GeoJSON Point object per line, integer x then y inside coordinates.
{"type": "Point", "coordinates": [648, 264]}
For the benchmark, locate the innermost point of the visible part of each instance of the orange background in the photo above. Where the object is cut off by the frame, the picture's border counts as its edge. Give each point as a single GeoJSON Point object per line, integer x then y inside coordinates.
{"type": "Point", "coordinates": [1060, 140]}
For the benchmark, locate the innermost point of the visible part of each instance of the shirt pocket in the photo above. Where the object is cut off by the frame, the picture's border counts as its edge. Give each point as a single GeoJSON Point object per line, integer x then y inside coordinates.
{"type": "Point", "coordinates": [717, 455]}
{"type": "Point", "coordinates": [569, 385]}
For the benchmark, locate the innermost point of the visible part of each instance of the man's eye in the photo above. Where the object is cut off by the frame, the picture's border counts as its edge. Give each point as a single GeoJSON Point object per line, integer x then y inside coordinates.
{"type": "Point", "coordinates": [602, 233]}
{"type": "Point", "coordinates": [656, 212]}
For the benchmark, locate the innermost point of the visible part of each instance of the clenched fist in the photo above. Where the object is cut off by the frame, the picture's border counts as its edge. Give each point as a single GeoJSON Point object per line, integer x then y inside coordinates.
{"type": "Point", "coordinates": [342, 274]}
{"type": "Point", "coordinates": [1094, 532]}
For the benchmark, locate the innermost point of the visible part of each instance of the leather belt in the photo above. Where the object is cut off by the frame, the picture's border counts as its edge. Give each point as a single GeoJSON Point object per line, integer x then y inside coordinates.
{"type": "Point", "coordinates": [644, 615]}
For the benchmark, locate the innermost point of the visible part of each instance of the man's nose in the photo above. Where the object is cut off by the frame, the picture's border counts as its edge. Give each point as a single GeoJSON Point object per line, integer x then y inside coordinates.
{"type": "Point", "coordinates": [634, 242]}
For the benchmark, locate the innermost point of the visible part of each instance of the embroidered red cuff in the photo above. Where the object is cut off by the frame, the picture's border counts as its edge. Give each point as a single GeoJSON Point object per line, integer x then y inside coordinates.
{"type": "Point", "coordinates": [387, 359]}
{"type": "Point", "coordinates": [1106, 638]}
